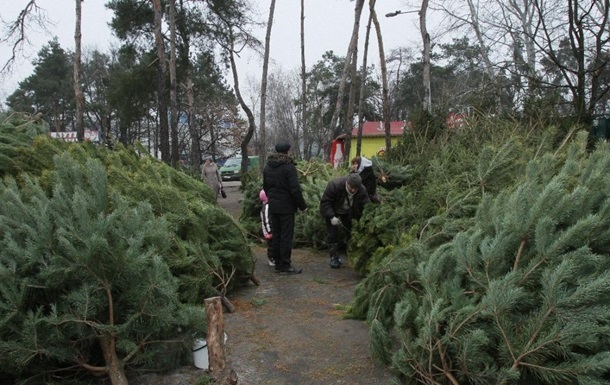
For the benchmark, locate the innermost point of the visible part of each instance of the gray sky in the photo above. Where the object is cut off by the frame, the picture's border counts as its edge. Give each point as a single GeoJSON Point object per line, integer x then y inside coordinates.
{"type": "Point", "coordinates": [328, 26]}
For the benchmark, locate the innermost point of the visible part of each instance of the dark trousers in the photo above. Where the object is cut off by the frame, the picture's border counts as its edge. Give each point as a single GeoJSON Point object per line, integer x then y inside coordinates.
{"type": "Point", "coordinates": [339, 234]}
{"type": "Point", "coordinates": [282, 228]}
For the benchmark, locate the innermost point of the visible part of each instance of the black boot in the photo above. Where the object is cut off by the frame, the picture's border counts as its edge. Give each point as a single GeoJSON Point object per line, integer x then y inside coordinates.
{"type": "Point", "coordinates": [333, 250]}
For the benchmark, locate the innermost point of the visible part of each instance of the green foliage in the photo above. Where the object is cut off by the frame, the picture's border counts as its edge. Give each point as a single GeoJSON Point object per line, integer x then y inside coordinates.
{"type": "Point", "coordinates": [49, 89]}
{"type": "Point", "coordinates": [16, 131]}
{"type": "Point", "coordinates": [519, 296]}
{"type": "Point", "coordinates": [449, 175]}
{"type": "Point", "coordinates": [82, 267]}
{"type": "Point", "coordinates": [97, 224]}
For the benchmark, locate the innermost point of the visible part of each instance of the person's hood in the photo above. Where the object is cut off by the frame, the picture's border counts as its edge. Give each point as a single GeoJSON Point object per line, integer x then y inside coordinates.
{"type": "Point", "coordinates": [364, 162]}
{"type": "Point", "coordinates": [263, 196]}
{"type": "Point", "coordinates": [278, 159]}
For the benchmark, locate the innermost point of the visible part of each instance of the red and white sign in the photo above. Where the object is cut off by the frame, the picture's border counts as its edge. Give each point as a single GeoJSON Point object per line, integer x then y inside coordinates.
{"type": "Point", "coordinates": [70, 136]}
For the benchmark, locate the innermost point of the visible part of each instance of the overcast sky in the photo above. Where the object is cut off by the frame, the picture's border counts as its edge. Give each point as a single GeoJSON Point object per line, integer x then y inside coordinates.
{"type": "Point", "coordinates": [328, 26]}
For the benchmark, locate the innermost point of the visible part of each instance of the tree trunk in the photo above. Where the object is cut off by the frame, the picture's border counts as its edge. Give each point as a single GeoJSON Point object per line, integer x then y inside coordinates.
{"type": "Point", "coordinates": [352, 44]}
{"type": "Point", "coordinates": [114, 366]}
{"type": "Point", "coordinates": [484, 52]}
{"type": "Point", "coordinates": [384, 79]}
{"type": "Point", "coordinates": [173, 98]}
{"type": "Point", "coordinates": [244, 106]}
{"type": "Point", "coordinates": [161, 86]}
{"type": "Point", "coordinates": [78, 88]}
{"type": "Point", "coordinates": [215, 334]}
{"type": "Point", "coordinates": [262, 136]}
{"type": "Point", "coordinates": [427, 103]}
{"type": "Point", "coordinates": [363, 85]}
{"type": "Point", "coordinates": [349, 121]}
{"type": "Point", "coordinates": [306, 140]}
{"type": "Point", "coordinates": [195, 149]}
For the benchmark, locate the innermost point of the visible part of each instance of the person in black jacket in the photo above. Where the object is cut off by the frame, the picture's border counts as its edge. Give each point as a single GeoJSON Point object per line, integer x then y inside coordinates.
{"type": "Point", "coordinates": [343, 200]}
{"type": "Point", "coordinates": [364, 167]}
{"type": "Point", "coordinates": [281, 184]}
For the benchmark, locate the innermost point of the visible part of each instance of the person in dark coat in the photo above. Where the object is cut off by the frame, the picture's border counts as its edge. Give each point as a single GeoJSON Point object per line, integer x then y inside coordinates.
{"type": "Point", "coordinates": [343, 200]}
{"type": "Point", "coordinates": [281, 184]}
{"type": "Point", "coordinates": [364, 167]}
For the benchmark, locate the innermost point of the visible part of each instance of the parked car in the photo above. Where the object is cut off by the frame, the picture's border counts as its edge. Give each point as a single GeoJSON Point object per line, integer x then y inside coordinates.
{"type": "Point", "coordinates": [231, 170]}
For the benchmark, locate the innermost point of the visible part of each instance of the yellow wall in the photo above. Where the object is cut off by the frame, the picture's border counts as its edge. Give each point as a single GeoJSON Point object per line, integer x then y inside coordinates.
{"type": "Point", "coordinates": [370, 146]}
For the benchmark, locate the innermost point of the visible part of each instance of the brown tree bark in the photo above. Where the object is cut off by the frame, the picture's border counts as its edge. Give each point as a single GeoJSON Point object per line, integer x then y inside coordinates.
{"type": "Point", "coordinates": [363, 85]}
{"type": "Point", "coordinates": [306, 139]}
{"type": "Point", "coordinates": [161, 86]}
{"type": "Point", "coordinates": [173, 97]}
{"type": "Point", "coordinates": [352, 45]}
{"type": "Point", "coordinates": [78, 87]}
{"type": "Point", "coordinates": [215, 334]}
{"type": "Point", "coordinates": [384, 80]}
{"type": "Point", "coordinates": [427, 103]}
{"type": "Point", "coordinates": [244, 106]}
{"type": "Point", "coordinates": [262, 134]}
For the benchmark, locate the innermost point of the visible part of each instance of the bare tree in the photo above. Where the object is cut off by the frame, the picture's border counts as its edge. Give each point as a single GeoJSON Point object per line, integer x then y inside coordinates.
{"type": "Point", "coordinates": [262, 128]}
{"type": "Point", "coordinates": [161, 85]}
{"type": "Point", "coordinates": [16, 31]}
{"type": "Point", "coordinates": [348, 58]}
{"type": "Point", "coordinates": [579, 52]}
{"type": "Point", "coordinates": [173, 86]}
{"type": "Point", "coordinates": [384, 80]}
{"type": "Point", "coordinates": [363, 76]}
{"type": "Point", "coordinates": [426, 55]}
{"type": "Point", "coordinates": [306, 139]}
{"type": "Point", "coordinates": [78, 86]}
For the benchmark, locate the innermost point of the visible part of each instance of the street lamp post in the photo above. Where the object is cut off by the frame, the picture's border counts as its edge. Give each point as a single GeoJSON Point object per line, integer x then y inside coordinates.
{"type": "Point", "coordinates": [427, 104]}
{"type": "Point", "coordinates": [396, 13]}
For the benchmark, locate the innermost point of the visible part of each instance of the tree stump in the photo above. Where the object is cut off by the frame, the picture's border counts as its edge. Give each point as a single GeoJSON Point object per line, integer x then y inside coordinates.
{"type": "Point", "coordinates": [216, 345]}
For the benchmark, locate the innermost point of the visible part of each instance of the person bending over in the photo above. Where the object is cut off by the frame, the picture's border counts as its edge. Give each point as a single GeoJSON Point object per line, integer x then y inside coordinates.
{"type": "Point", "coordinates": [343, 200]}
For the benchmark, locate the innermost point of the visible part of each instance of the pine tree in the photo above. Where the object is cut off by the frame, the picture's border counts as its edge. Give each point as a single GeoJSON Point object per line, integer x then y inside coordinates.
{"type": "Point", "coordinates": [83, 282]}
{"type": "Point", "coordinates": [523, 295]}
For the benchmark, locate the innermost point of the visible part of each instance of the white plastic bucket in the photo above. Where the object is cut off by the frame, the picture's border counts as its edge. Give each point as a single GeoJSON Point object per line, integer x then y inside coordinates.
{"type": "Point", "coordinates": [200, 354]}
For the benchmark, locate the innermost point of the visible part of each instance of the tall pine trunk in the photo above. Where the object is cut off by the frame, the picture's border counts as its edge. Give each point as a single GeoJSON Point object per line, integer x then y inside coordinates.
{"type": "Point", "coordinates": [427, 103]}
{"type": "Point", "coordinates": [173, 97]}
{"type": "Point", "coordinates": [363, 85]}
{"type": "Point", "coordinates": [352, 45]}
{"type": "Point", "coordinates": [78, 88]}
{"type": "Point", "coordinates": [263, 146]}
{"type": "Point", "coordinates": [384, 80]}
{"type": "Point", "coordinates": [306, 139]}
{"type": "Point", "coordinates": [161, 85]}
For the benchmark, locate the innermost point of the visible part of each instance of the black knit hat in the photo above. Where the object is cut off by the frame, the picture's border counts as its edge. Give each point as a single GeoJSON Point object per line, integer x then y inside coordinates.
{"type": "Point", "coordinates": [354, 180]}
{"type": "Point", "coordinates": [282, 147]}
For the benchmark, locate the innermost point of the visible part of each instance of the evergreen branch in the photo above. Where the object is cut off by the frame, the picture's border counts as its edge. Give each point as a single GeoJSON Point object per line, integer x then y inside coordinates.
{"type": "Point", "coordinates": [504, 336]}
{"type": "Point", "coordinates": [469, 271]}
{"type": "Point", "coordinates": [519, 253]}
{"type": "Point", "coordinates": [542, 260]}
{"type": "Point", "coordinates": [533, 339]}
{"type": "Point", "coordinates": [445, 369]}
{"type": "Point", "coordinates": [131, 354]}
{"type": "Point", "coordinates": [93, 369]}
{"type": "Point", "coordinates": [544, 368]}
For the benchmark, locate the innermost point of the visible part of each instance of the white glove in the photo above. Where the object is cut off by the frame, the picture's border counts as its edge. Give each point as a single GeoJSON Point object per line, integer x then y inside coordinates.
{"type": "Point", "coordinates": [335, 221]}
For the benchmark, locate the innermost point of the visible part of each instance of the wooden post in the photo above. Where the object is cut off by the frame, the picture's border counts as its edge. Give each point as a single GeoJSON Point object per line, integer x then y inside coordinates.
{"type": "Point", "coordinates": [215, 335]}
{"type": "Point", "coordinates": [216, 343]}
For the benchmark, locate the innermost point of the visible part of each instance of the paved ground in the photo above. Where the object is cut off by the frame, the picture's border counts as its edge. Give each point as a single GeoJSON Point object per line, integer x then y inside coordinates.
{"type": "Point", "coordinates": [290, 330]}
